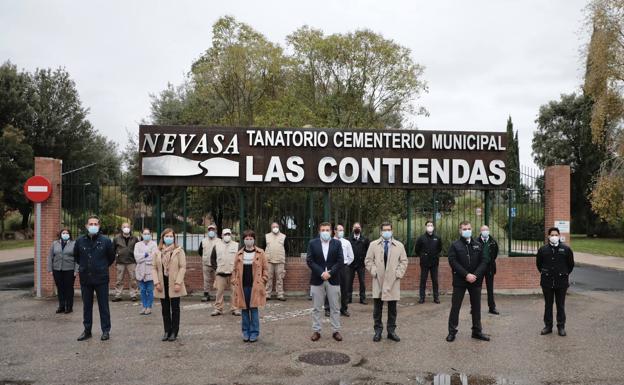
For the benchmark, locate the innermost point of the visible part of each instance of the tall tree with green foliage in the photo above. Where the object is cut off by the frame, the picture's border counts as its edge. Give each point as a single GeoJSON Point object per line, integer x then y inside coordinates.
{"type": "Point", "coordinates": [513, 162]}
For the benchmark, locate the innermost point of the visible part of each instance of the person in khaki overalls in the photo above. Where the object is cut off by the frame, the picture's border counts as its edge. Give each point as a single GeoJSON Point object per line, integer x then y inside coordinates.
{"type": "Point", "coordinates": [222, 258]}
{"type": "Point", "coordinates": [276, 255]}
{"type": "Point", "coordinates": [206, 246]}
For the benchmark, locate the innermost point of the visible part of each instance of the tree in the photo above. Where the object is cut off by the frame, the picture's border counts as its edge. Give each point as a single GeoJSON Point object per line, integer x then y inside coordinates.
{"type": "Point", "coordinates": [513, 162]}
{"type": "Point", "coordinates": [564, 137]}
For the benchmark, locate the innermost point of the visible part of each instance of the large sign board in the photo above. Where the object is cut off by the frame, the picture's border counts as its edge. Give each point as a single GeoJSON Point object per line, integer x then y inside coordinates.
{"type": "Point", "coordinates": [308, 157]}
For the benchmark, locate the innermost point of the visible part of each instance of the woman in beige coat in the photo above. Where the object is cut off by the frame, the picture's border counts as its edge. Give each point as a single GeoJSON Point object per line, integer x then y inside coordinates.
{"type": "Point", "coordinates": [168, 273]}
{"type": "Point", "coordinates": [251, 273]}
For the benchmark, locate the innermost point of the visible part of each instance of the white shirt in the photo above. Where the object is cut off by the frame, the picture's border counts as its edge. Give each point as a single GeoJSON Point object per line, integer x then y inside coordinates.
{"type": "Point", "coordinates": [325, 246]}
{"type": "Point", "coordinates": [347, 251]}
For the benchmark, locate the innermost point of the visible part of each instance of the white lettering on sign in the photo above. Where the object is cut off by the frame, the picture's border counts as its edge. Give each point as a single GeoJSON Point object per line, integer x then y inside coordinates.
{"type": "Point", "coordinates": [37, 188]}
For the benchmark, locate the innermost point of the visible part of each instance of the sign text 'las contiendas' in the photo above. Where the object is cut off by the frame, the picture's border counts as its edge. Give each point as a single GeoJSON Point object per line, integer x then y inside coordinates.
{"type": "Point", "coordinates": [218, 156]}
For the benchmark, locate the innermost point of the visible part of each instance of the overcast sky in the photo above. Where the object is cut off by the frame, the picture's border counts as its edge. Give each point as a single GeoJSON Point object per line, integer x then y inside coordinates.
{"type": "Point", "coordinates": [484, 60]}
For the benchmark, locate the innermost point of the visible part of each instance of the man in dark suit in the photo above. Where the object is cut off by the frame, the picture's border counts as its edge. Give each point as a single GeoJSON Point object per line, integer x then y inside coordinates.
{"type": "Point", "coordinates": [490, 252]}
{"type": "Point", "coordinates": [466, 259]}
{"type": "Point", "coordinates": [94, 253]}
{"type": "Point", "coordinates": [555, 262]}
{"type": "Point", "coordinates": [325, 260]}
{"type": "Point", "coordinates": [428, 249]}
{"type": "Point", "coordinates": [359, 243]}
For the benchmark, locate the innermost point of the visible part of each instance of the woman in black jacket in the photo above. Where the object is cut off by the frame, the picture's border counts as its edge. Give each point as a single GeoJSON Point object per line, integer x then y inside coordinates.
{"type": "Point", "coordinates": [63, 267]}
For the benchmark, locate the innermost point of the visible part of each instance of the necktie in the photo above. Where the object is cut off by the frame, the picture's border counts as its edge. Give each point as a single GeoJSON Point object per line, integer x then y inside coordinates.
{"type": "Point", "coordinates": [385, 253]}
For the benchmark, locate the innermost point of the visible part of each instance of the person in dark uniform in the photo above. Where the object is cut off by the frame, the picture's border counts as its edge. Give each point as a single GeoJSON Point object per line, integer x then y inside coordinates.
{"type": "Point", "coordinates": [555, 262]}
{"type": "Point", "coordinates": [94, 254]}
{"type": "Point", "coordinates": [360, 244]}
{"type": "Point", "coordinates": [428, 249]}
{"type": "Point", "coordinates": [466, 259]}
{"type": "Point", "coordinates": [490, 252]}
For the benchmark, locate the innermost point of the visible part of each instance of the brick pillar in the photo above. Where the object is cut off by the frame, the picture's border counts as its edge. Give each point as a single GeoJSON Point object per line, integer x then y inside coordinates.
{"type": "Point", "coordinates": [557, 193]}
{"type": "Point", "coordinates": [50, 218]}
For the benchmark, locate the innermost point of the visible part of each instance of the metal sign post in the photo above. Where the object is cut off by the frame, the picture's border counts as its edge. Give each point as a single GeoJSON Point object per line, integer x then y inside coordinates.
{"type": "Point", "coordinates": [38, 246]}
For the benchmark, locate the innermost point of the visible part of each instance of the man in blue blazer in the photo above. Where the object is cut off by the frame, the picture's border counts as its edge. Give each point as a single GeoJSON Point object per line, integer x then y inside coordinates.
{"type": "Point", "coordinates": [325, 259]}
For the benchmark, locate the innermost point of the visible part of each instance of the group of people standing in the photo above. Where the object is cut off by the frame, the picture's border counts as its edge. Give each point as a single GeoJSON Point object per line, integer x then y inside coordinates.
{"type": "Point", "coordinates": [158, 269]}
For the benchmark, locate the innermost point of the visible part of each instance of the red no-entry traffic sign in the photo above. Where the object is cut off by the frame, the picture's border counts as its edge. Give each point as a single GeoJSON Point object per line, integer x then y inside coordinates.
{"type": "Point", "coordinates": [37, 189]}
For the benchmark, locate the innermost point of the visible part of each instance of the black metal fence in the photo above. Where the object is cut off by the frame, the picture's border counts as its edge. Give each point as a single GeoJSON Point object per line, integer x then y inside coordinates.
{"type": "Point", "coordinates": [515, 216]}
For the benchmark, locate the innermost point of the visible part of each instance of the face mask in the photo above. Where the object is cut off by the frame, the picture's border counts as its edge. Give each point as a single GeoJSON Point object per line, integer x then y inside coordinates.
{"type": "Point", "coordinates": [325, 235]}
{"type": "Point", "coordinates": [485, 233]}
{"type": "Point", "coordinates": [227, 238]}
{"type": "Point", "coordinates": [65, 236]}
{"type": "Point", "coordinates": [341, 234]}
{"type": "Point", "coordinates": [93, 229]}
{"type": "Point", "coordinates": [386, 234]}
{"type": "Point", "coordinates": [147, 237]}
{"type": "Point", "coordinates": [126, 230]}
{"type": "Point", "coordinates": [212, 234]}
{"type": "Point", "coordinates": [275, 230]}
{"type": "Point", "coordinates": [356, 231]}
{"type": "Point", "coordinates": [466, 233]}
{"type": "Point", "coordinates": [430, 229]}
{"type": "Point", "coordinates": [168, 240]}
{"type": "Point", "coordinates": [249, 243]}
{"type": "Point", "coordinates": [554, 239]}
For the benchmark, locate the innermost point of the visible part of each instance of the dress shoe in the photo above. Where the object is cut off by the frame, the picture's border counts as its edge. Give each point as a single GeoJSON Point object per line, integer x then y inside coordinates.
{"type": "Point", "coordinates": [165, 337]}
{"type": "Point", "coordinates": [345, 313]}
{"type": "Point", "coordinates": [394, 337]}
{"type": "Point", "coordinates": [436, 300]}
{"type": "Point", "coordinates": [105, 336]}
{"type": "Point", "coordinates": [494, 311]}
{"type": "Point", "coordinates": [326, 313]}
{"type": "Point", "coordinates": [133, 299]}
{"type": "Point", "coordinates": [480, 336]}
{"type": "Point", "coordinates": [84, 336]}
{"type": "Point", "coordinates": [68, 310]}
{"type": "Point", "coordinates": [350, 300]}
{"type": "Point", "coordinates": [337, 336]}
{"type": "Point", "coordinates": [60, 310]}
{"type": "Point", "coordinates": [561, 332]}
{"type": "Point", "coordinates": [116, 299]}
{"type": "Point", "coordinates": [363, 302]}
{"type": "Point", "coordinates": [546, 330]}
{"type": "Point", "coordinates": [315, 336]}
{"type": "Point", "coordinates": [172, 337]}
{"type": "Point", "coordinates": [422, 300]}
{"type": "Point", "coordinates": [206, 297]}
{"type": "Point", "coordinates": [377, 337]}
{"type": "Point", "coordinates": [450, 337]}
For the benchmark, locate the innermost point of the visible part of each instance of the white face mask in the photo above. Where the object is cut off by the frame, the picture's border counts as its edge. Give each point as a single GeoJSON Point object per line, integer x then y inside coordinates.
{"type": "Point", "coordinates": [485, 234]}
{"type": "Point", "coordinates": [325, 235]}
{"type": "Point", "coordinates": [554, 239]}
{"type": "Point", "coordinates": [227, 238]}
{"type": "Point", "coordinates": [249, 243]}
{"type": "Point", "coordinates": [275, 230]}
{"type": "Point", "coordinates": [340, 234]}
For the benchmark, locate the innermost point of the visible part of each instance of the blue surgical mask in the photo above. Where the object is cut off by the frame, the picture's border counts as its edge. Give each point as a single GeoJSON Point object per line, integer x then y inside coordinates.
{"type": "Point", "coordinates": [485, 233]}
{"type": "Point", "coordinates": [93, 229]}
{"type": "Point", "coordinates": [340, 234]}
{"type": "Point", "coordinates": [386, 234]}
{"type": "Point", "coordinates": [65, 236]}
{"type": "Point", "coordinates": [212, 234]}
{"type": "Point", "coordinates": [168, 240]}
{"type": "Point", "coordinates": [466, 233]}
{"type": "Point", "coordinates": [325, 235]}
{"type": "Point", "coordinates": [147, 237]}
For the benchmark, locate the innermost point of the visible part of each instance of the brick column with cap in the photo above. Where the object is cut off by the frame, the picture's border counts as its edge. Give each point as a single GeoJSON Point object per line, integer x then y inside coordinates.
{"type": "Point", "coordinates": [50, 218]}
{"type": "Point", "coordinates": [557, 191]}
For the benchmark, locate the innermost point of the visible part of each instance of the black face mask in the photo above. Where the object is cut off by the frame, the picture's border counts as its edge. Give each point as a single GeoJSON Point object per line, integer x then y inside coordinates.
{"type": "Point", "coordinates": [356, 231]}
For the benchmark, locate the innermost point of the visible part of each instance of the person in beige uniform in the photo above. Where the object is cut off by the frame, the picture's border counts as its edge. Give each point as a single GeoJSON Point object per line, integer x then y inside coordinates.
{"type": "Point", "coordinates": [223, 257]}
{"type": "Point", "coordinates": [205, 249]}
{"type": "Point", "coordinates": [276, 255]}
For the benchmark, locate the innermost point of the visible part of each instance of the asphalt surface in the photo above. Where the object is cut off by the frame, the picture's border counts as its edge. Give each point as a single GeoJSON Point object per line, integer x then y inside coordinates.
{"type": "Point", "coordinates": [40, 347]}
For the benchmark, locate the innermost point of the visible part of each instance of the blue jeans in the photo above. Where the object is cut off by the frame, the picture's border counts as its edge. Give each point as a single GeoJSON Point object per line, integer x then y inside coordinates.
{"type": "Point", "coordinates": [250, 319]}
{"type": "Point", "coordinates": [147, 293]}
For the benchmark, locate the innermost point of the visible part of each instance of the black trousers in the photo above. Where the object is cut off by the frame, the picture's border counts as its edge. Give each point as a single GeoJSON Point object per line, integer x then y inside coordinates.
{"type": "Point", "coordinates": [475, 304]}
{"type": "Point", "coordinates": [64, 280]}
{"type": "Point", "coordinates": [361, 274]}
{"type": "Point", "coordinates": [101, 292]}
{"type": "Point", "coordinates": [424, 272]}
{"type": "Point", "coordinates": [489, 285]}
{"type": "Point", "coordinates": [554, 295]}
{"type": "Point", "coordinates": [170, 310]}
{"type": "Point", "coordinates": [345, 277]}
{"type": "Point", "coordinates": [377, 312]}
